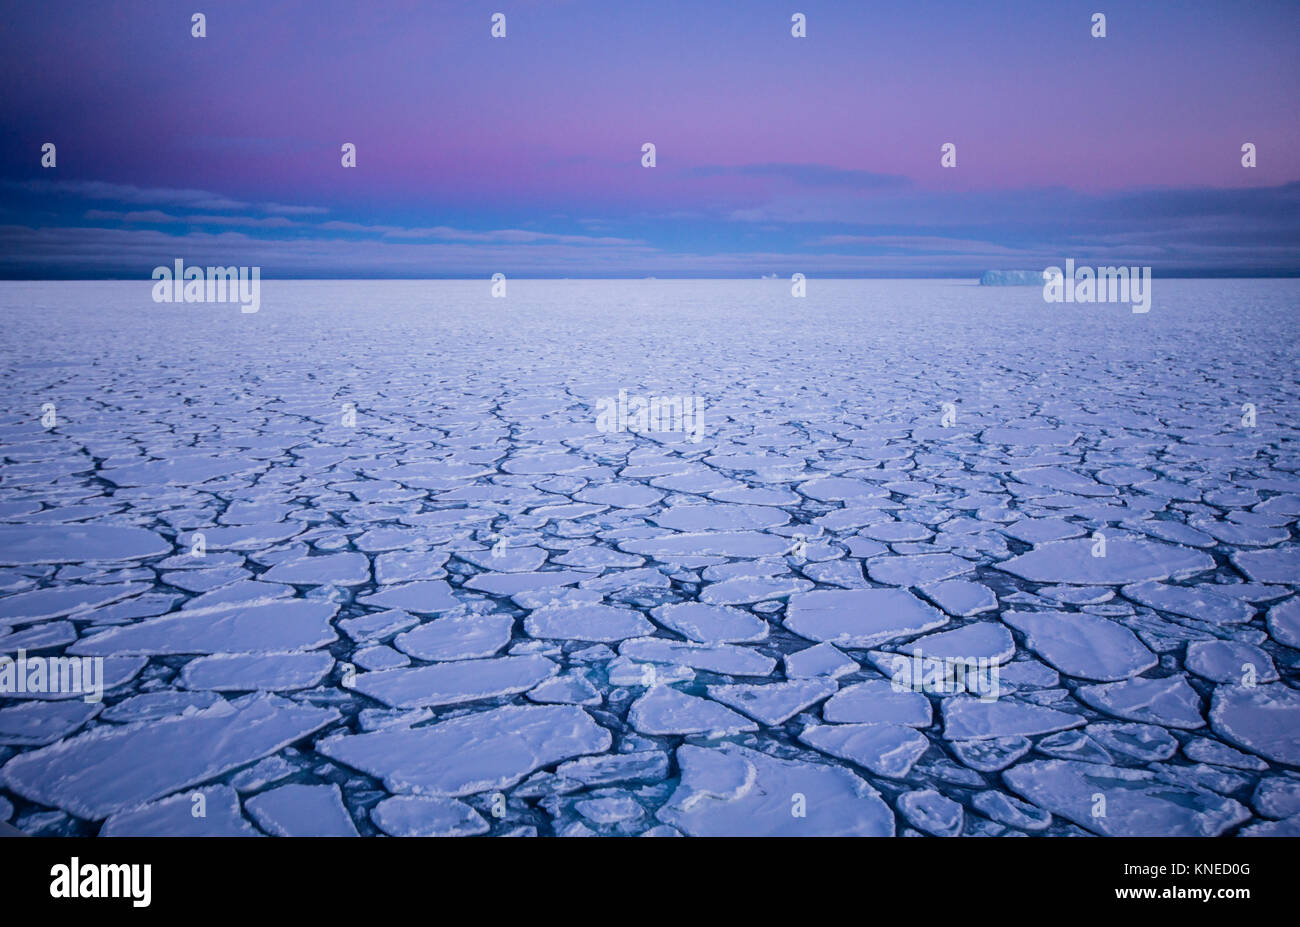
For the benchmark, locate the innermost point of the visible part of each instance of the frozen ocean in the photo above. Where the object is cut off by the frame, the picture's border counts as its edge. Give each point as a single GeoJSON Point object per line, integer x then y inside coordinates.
{"type": "Point", "coordinates": [651, 557]}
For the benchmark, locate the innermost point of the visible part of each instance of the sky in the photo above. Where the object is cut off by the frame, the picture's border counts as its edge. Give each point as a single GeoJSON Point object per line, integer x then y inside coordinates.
{"type": "Point", "coordinates": [774, 154]}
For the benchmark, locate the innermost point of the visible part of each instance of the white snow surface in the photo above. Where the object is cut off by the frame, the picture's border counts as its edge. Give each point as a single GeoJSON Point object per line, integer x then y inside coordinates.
{"type": "Point", "coordinates": [470, 597]}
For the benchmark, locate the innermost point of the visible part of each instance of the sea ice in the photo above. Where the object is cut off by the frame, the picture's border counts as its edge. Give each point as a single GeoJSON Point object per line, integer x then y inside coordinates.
{"type": "Point", "coordinates": [1264, 720]}
{"type": "Point", "coordinates": [425, 597]}
{"type": "Point", "coordinates": [643, 765]}
{"type": "Point", "coordinates": [57, 601]}
{"type": "Point", "coordinates": [818, 660]}
{"type": "Point", "coordinates": [246, 672]}
{"type": "Point", "coordinates": [773, 702]}
{"type": "Point", "coordinates": [570, 689]}
{"type": "Point", "coordinates": [932, 812]}
{"type": "Point", "coordinates": [302, 811]}
{"type": "Point", "coordinates": [876, 700]}
{"type": "Point", "coordinates": [664, 710]}
{"type": "Point", "coordinates": [993, 754]}
{"type": "Point", "coordinates": [457, 638]}
{"type": "Point", "coordinates": [476, 547]}
{"type": "Point", "coordinates": [1011, 811]}
{"type": "Point", "coordinates": [1082, 645]}
{"type": "Point", "coordinates": [860, 618]}
{"type": "Point", "coordinates": [290, 625]}
{"type": "Point", "coordinates": [34, 724]}
{"type": "Point", "coordinates": [734, 791]}
{"type": "Point", "coordinates": [175, 817]}
{"type": "Point", "coordinates": [916, 569]}
{"type": "Point", "coordinates": [454, 682]}
{"type": "Point", "coordinates": [1137, 803]}
{"type": "Point", "coordinates": [1203, 602]}
{"type": "Point", "coordinates": [745, 590]}
{"type": "Point", "coordinates": [1126, 561]}
{"type": "Point", "coordinates": [961, 598]}
{"type": "Point", "coordinates": [346, 569]}
{"type": "Point", "coordinates": [587, 623]}
{"type": "Point", "coordinates": [1230, 662]}
{"type": "Point", "coordinates": [979, 641]}
{"type": "Point", "coordinates": [473, 753]}
{"type": "Point", "coordinates": [422, 816]}
{"type": "Point", "coordinates": [27, 544]}
{"type": "Point", "coordinates": [1170, 701]}
{"type": "Point", "coordinates": [111, 769]}
{"type": "Point", "coordinates": [729, 659]}
{"type": "Point", "coordinates": [888, 750]}
{"type": "Point", "coordinates": [1283, 623]}
{"type": "Point", "coordinates": [966, 718]}
{"type": "Point", "coordinates": [709, 624]}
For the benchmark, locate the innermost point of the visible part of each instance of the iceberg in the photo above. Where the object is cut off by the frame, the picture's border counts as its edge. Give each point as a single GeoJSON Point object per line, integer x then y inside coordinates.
{"type": "Point", "coordinates": [1013, 278]}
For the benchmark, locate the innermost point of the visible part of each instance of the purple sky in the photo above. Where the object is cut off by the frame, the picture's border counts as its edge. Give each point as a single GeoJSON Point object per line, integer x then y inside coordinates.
{"type": "Point", "coordinates": [775, 154]}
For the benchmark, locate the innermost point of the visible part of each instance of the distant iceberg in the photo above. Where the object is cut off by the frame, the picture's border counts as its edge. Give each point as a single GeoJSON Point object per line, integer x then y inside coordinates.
{"type": "Point", "coordinates": [1012, 278]}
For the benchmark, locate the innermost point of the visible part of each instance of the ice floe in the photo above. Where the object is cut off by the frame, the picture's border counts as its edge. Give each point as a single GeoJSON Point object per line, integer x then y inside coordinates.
{"type": "Point", "coordinates": [27, 544]}
{"type": "Point", "coordinates": [454, 682]}
{"type": "Point", "coordinates": [1265, 720]}
{"type": "Point", "coordinates": [272, 627]}
{"type": "Point", "coordinates": [877, 700]}
{"type": "Point", "coordinates": [422, 816]}
{"type": "Point", "coordinates": [302, 811]}
{"type": "Point", "coordinates": [1126, 560]}
{"type": "Point", "coordinates": [860, 618]}
{"type": "Point", "coordinates": [176, 817]}
{"type": "Point", "coordinates": [729, 659]}
{"type": "Point", "coordinates": [734, 791]}
{"type": "Point", "coordinates": [1136, 802]}
{"type": "Point", "coordinates": [1170, 701]}
{"type": "Point", "coordinates": [114, 768]}
{"type": "Point", "coordinates": [708, 624]}
{"type": "Point", "coordinates": [474, 753]}
{"type": "Point", "coordinates": [966, 718]}
{"type": "Point", "coordinates": [457, 638]}
{"type": "Point", "coordinates": [587, 623]}
{"type": "Point", "coordinates": [1082, 645]}
{"type": "Point", "coordinates": [474, 590]}
{"type": "Point", "coordinates": [774, 702]}
{"type": "Point", "coordinates": [888, 750]}
{"type": "Point", "coordinates": [665, 710]}
{"type": "Point", "coordinates": [244, 672]}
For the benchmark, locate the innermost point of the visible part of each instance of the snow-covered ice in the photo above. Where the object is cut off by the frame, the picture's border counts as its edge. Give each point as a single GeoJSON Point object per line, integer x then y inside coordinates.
{"type": "Point", "coordinates": [464, 609]}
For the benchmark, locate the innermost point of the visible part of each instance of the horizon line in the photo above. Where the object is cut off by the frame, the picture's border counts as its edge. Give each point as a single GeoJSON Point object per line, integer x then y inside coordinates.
{"type": "Point", "coordinates": [487, 277]}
